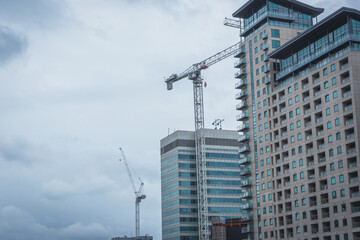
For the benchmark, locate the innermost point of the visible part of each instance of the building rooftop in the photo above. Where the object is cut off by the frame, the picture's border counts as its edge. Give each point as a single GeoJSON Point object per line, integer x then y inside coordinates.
{"type": "Point", "coordinates": [247, 9]}
{"type": "Point", "coordinates": [334, 20]}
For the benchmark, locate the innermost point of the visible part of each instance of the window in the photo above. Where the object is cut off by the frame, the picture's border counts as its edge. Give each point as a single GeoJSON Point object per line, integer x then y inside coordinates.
{"type": "Point", "coordinates": [302, 175]}
{"type": "Point", "coordinates": [296, 86]}
{"type": "Point", "coordinates": [339, 150]}
{"type": "Point", "coordinates": [275, 44]}
{"type": "Point", "coordinates": [266, 125]}
{"type": "Point", "coordinates": [294, 164]}
{"type": "Point", "coordinates": [327, 98]}
{"type": "Point", "coordinates": [256, 60]}
{"type": "Point", "coordinates": [299, 136]}
{"type": "Point", "coordinates": [292, 139]}
{"type": "Point", "coordinates": [336, 108]}
{"type": "Point", "coordinates": [304, 215]}
{"type": "Point", "coordinates": [333, 194]}
{"type": "Point", "coordinates": [296, 203]}
{"type": "Point", "coordinates": [291, 126]}
{"type": "Point", "coordinates": [335, 95]}
{"type": "Point", "coordinates": [297, 111]}
{"type": "Point", "coordinates": [337, 122]}
{"type": "Point", "coordinates": [330, 139]}
{"type": "Point", "coordinates": [340, 164]}
{"type": "Point", "coordinates": [301, 162]}
{"type": "Point", "coordinates": [297, 98]}
{"type": "Point", "coordinates": [343, 207]}
{"type": "Point", "coordinates": [344, 222]}
{"type": "Point", "coordinates": [305, 228]}
{"type": "Point", "coordinates": [332, 166]}
{"type": "Point", "coordinates": [256, 50]}
{"type": "Point", "coordinates": [297, 229]}
{"type": "Point", "coordinates": [289, 89]}
{"type": "Point", "coordinates": [291, 114]}
{"type": "Point", "coordinates": [303, 201]}
{"type": "Point", "coordinates": [333, 180]}
{"type": "Point", "coordinates": [325, 71]}
{"type": "Point", "coordinates": [333, 80]}
{"type": "Point", "coordinates": [270, 211]}
{"type": "Point", "coordinates": [326, 84]}
{"type": "Point", "coordinates": [332, 67]}
{"type": "Point", "coordinates": [336, 223]}
{"type": "Point", "coordinates": [255, 39]}
{"type": "Point", "coordinates": [290, 102]}
{"type": "Point", "coordinates": [302, 188]}
{"type": "Point", "coordinates": [328, 125]}
{"type": "Point", "coordinates": [331, 152]}
{"type": "Point", "coordinates": [275, 33]}
{"type": "Point", "coordinates": [328, 112]}
{"type": "Point", "coordinates": [342, 193]}
{"type": "Point", "coordinates": [335, 209]}
{"type": "Point", "coordinates": [294, 177]}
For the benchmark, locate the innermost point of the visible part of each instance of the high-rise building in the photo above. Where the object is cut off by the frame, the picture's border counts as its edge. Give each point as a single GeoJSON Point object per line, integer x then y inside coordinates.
{"type": "Point", "coordinates": [300, 120]}
{"type": "Point", "coordinates": [179, 198]}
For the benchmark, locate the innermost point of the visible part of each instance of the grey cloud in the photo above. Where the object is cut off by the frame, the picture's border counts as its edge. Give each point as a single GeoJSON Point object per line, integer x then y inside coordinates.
{"type": "Point", "coordinates": [34, 12]}
{"type": "Point", "coordinates": [12, 44]}
{"type": "Point", "coordinates": [16, 223]}
{"type": "Point", "coordinates": [21, 150]}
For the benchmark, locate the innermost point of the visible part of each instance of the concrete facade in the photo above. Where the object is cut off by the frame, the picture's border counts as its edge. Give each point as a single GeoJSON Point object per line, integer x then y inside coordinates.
{"type": "Point", "coordinates": [299, 103]}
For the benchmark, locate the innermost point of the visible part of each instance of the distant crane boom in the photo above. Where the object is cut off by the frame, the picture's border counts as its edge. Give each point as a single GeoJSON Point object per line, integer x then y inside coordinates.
{"type": "Point", "coordinates": [194, 73]}
{"type": "Point", "coordinates": [138, 194]}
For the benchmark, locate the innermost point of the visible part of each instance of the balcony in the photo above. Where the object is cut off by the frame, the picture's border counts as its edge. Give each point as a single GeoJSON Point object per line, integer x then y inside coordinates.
{"type": "Point", "coordinates": [241, 73]}
{"type": "Point", "coordinates": [242, 106]}
{"type": "Point", "coordinates": [266, 47]}
{"type": "Point", "coordinates": [346, 94]}
{"type": "Point", "coordinates": [247, 217]}
{"type": "Point", "coordinates": [349, 122]}
{"type": "Point", "coordinates": [244, 149]}
{"type": "Point", "coordinates": [245, 172]}
{"type": "Point", "coordinates": [247, 229]}
{"type": "Point", "coordinates": [345, 80]}
{"type": "Point", "coordinates": [355, 194]}
{"type": "Point", "coordinates": [264, 36]}
{"type": "Point", "coordinates": [243, 127]}
{"type": "Point", "coordinates": [306, 98]}
{"type": "Point", "coordinates": [245, 183]}
{"type": "Point", "coordinates": [246, 206]}
{"type": "Point", "coordinates": [241, 84]}
{"type": "Point", "coordinates": [350, 136]}
{"type": "Point", "coordinates": [244, 160]}
{"type": "Point", "coordinates": [240, 52]}
{"type": "Point", "coordinates": [241, 95]}
{"type": "Point", "coordinates": [323, 187]}
{"type": "Point", "coordinates": [241, 62]}
{"type": "Point", "coordinates": [242, 116]}
{"type": "Point", "coordinates": [348, 108]}
{"type": "Point", "coordinates": [245, 195]}
{"type": "Point", "coordinates": [244, 138]}
{"type": "Point", "coordinates": [351, 150]}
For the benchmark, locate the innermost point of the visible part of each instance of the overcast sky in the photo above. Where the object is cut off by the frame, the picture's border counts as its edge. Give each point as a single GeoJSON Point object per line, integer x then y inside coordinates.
{"type": "Point", "coordinates": [81, 78]}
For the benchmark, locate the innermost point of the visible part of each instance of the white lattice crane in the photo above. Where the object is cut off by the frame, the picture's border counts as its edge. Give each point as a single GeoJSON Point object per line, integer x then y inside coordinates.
{"type": "Point", "coordinates": [138, 194]}
{"type": "Point", "coordinates": [193, 73]}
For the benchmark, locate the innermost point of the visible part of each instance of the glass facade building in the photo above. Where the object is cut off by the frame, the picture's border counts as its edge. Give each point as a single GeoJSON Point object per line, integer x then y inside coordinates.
{"type": "Point", "coordinates": [178, 181]}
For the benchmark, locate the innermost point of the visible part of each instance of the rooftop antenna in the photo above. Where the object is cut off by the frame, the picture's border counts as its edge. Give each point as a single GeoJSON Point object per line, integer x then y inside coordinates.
{"type": "Point", "coordinates": [218, 123]}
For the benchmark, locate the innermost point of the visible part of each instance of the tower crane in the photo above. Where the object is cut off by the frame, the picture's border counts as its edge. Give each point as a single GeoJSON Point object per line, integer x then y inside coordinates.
{"type": "Point", "coordinates": [193, 73]}
{"type": "Point", "coordinates": [232, 23]}
{"type": "Point", "coordinates": [138, 194]}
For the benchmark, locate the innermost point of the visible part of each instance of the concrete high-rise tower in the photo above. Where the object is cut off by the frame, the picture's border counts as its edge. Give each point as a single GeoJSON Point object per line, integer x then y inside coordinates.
{"type": "Point", "coordinates": [299, 92]}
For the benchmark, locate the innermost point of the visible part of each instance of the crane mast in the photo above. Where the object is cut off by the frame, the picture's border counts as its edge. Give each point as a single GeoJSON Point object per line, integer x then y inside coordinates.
{"type": "Point", "coordinates": [138, 194]}
{"type": "Point", "coordinates": [194, 73]}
